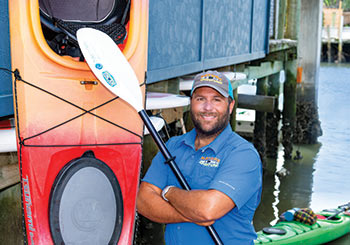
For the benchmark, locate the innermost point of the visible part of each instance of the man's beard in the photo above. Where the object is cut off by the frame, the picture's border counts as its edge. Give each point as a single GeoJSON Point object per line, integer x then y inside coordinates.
{"type": "Point", "coordinates": [217, 127]}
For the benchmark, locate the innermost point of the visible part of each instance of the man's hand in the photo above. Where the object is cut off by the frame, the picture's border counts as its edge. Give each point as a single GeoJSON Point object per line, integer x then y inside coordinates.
{"type": "Point", "coordinates": [202, 207]}
{"type": "Point", "coordinates": [151, 205]}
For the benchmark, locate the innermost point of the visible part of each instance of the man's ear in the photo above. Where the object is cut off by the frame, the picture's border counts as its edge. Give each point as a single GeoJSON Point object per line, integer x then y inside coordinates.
{"type": "Point", "coordinates": [232, 105]}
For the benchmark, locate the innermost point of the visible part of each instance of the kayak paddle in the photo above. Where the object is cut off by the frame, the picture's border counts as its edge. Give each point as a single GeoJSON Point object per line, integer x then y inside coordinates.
{"type": "Point", "coordinates": [113, 70]}
{"type": "Point", "coordinates": [342, 208]}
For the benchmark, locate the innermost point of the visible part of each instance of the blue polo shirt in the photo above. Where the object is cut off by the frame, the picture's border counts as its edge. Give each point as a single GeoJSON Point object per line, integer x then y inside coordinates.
{"type": "Point", "coordinates": [229, 164]}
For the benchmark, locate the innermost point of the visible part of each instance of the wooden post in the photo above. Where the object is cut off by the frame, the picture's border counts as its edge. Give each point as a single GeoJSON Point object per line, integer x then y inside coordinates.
{"type": "Point", "coordinates": [340, 33]}
{"type": "Point", "coordinates": [282, 9]}
{"type": "Point", "coordinates": [259, 139]}
{"type": "Point", "coordinates": [293, 19]}
{"type": "Point", "coordinates": [289, 91]}
{"type": "Point", "coordinates": [329, 45]}
{"type": "Point", "coordinates": [272, 119]}
{"type": "Point", "coordinates": [340, 43]}
{"type": "Point", "coordinates": [309, 52]}
{"type": "Point", "coordinates": [289, 107]}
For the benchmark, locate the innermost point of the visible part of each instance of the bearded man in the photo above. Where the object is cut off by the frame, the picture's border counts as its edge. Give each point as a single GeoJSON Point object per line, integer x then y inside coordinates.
{"type": "Point", "coordinates": [223, 169]}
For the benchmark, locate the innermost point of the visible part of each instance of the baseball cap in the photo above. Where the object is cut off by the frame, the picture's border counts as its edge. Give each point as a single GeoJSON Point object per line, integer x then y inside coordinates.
{"type": "Point", "coordinates": [215, 80]}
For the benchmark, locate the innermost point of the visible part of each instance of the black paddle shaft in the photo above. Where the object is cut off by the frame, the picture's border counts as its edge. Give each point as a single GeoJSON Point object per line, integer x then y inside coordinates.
{"type": "Point", "coordinates": [172, 164]}
{"type": "Point", "coordinates": [343, 208]}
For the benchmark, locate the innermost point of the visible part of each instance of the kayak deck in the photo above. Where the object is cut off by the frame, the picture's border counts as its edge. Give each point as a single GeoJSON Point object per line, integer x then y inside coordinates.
{"type": "Point", "coordinates": [297, 233]}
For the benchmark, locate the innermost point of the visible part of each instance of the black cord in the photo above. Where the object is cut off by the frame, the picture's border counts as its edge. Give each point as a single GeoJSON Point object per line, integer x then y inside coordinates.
{"type": "Point", "coordinates": [6, 69]}
{"type": "Point", "coordinates": [85, 111]}
{"type": "Point", "coordinates": [22, 141]}
{"type": "Point", "coordinates": [24, 228]}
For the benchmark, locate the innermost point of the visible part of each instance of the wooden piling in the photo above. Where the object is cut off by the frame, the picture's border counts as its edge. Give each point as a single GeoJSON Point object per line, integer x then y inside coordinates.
{"type": "Point", "coordinates": [289, 107]}
{"type": "Point", "coordinates": [289, 88]}
{"type": "Point", "coordinates": [282, 9]}
{"type": "Point", "coordinates": [308, 128]}
{"type": "Point", "coordinates": [293, 19]}
{"type": "Point", "coordinates": [259, 139]}
{"type": "Point", "coordinates": [273, 118]}
{"type": "Point", "coordinates": [340, 34]}
{"type": "Point", "coordinates": [329, 45]}
{"type": "Point", "coordinates": [340, 50]}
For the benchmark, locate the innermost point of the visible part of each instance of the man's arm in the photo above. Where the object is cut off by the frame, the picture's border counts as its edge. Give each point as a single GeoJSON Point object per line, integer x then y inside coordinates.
{"type": "Point", "coordinates": [200, 205]}
{"type": "Point", "coordinates": [151, 205]}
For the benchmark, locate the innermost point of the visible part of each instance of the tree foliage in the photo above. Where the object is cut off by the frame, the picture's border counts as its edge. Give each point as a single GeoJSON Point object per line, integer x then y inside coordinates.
{"type": "Point", "coordinates": [335, 4]}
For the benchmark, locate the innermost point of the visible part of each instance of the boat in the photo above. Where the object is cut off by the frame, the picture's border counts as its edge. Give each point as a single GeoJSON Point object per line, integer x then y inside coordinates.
{"type": "Point", "coordinates": [79, 146]}
{"type": "Point", "coordinates": [331, 224]}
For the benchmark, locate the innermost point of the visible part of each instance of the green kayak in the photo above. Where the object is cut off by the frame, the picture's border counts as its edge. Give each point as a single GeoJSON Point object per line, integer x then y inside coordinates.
{"type": "Point", "coordinates": [336, 223]}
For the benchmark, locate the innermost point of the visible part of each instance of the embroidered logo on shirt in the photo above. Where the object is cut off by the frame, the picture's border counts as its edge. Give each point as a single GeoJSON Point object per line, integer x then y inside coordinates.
{"type": "Point", "coordinates": [209, 162]}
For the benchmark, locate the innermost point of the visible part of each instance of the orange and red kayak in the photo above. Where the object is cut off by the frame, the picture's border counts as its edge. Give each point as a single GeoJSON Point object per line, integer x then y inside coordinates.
{"type": "Point", "coordinates": [79, 146]}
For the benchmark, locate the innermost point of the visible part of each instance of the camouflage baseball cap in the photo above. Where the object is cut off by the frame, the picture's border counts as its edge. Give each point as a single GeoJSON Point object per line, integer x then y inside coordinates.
{"type": "Point", "coordinates": [215, 80]}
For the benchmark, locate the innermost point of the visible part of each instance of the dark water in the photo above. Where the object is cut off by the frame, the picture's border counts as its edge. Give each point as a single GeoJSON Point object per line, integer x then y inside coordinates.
{"type": "Point", "coordinates": [321, 179]}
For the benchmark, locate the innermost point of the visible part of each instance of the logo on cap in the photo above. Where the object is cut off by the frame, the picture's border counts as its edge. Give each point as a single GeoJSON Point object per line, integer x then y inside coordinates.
{"type": "Point", "coordinates": [215, 80]}
{"type": "Point", "coordinates": [211, 78]}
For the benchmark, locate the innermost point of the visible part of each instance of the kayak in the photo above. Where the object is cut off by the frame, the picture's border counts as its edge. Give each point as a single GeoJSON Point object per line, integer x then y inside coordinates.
{"type": "Point", "coordinates": [79, 146]}
{"type": "Point", "coordinates": [294, 232]}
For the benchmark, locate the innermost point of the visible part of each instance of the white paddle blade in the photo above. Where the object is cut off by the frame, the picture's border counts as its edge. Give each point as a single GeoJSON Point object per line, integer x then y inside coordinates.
{"type": "Point", "coordinates": [110, 66]}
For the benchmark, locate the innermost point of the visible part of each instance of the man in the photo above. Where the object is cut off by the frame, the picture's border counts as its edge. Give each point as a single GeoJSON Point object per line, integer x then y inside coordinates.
{"type": "Point", "coordinates": [223, 170]}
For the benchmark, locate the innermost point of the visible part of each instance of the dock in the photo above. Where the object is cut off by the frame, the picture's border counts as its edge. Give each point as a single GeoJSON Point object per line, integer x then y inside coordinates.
{"type": "Point", "coordinates": [335, 35]}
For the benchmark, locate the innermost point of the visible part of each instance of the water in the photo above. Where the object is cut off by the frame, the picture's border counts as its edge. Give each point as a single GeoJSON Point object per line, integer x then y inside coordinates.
{"type": "Point", "coordinates": [321, 178]}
